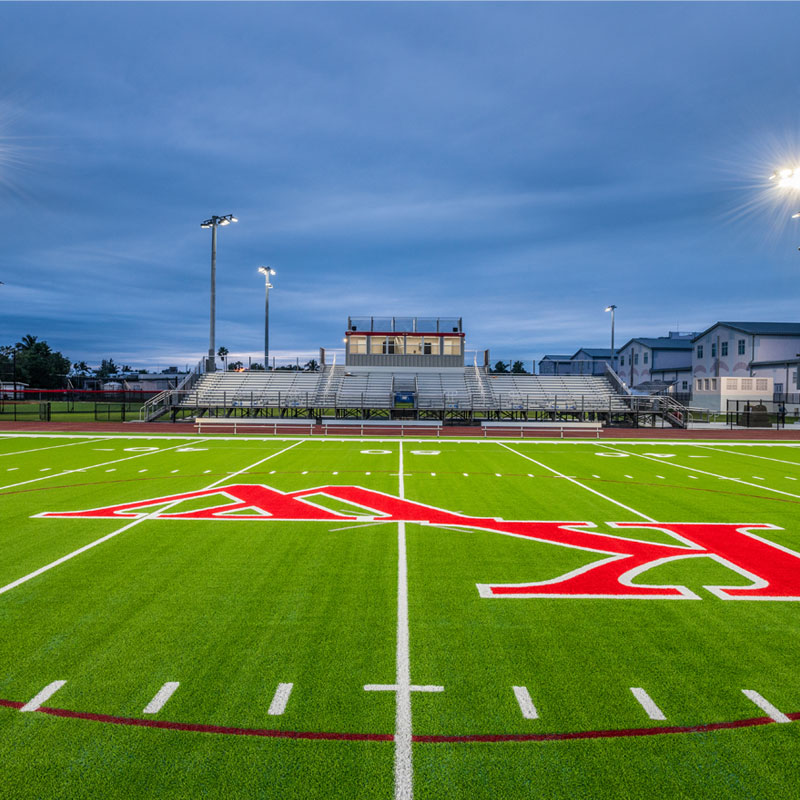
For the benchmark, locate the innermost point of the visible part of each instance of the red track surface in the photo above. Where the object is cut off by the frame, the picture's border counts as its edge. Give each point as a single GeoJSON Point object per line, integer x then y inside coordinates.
{"type": "Point", "coordinates": [387, 737]}
{"type": "Point", "coordinates": [463, 432]}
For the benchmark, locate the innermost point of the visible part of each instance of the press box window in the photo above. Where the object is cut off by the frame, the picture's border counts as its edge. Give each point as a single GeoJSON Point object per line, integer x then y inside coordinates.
{"type": "Point", "coordinates": [358, 344]}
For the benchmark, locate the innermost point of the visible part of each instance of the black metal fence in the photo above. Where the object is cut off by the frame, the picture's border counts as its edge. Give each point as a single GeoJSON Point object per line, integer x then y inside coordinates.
{"type": "Point", "coordinates": [761, 413]}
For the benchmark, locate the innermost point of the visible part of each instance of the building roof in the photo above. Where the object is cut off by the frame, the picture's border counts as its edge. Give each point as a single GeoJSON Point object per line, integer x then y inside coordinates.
{"type": "Point", "coordinates": [553, 357]}
{"type": "Point", "coordinates": [781, 363]}
{"type": "Point", "coordinates": [758, 328]}
{"type": "Point", "coordinates": [661, 343]}
{"type": "Point", "coordinates": [594, 352]}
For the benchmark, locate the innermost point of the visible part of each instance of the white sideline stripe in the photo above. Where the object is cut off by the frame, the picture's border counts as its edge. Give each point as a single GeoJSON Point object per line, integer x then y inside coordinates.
{"type": "Point", "coordinates": [702, 471]}
{"type": "Point", "coordinates": [403, 763]}
{"type": "Point", "coordinates": [46, 693]}
{"type": "Point", "coordinates": [578, 483]}
{"type": "Point", "coordinates": [124, 528]}
{"type": "Point", "coordinates": [52, 447]}
{"type": "Point", "coordinates": [91, 466]}
{"type": "Point", "coordinates": [646, 702]}
{"type": "Point", "coordinates": [162, 695]}
{"type": "Point", "coordinates": [525, 703]}
{"type": "Point", "coordinates": [280, 699]}
{"type": "Point", "coordinates": [765, 705]}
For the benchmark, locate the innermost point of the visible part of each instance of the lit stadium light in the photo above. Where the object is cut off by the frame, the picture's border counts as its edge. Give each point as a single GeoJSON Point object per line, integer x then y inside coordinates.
{"type": "Point", "coordinates": [787, 178]}
{"type": "Point", "coordinates": [213, 223]}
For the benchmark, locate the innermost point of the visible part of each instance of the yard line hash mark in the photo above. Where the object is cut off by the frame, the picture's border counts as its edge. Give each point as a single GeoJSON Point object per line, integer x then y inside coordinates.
{"type": "Point", "coordinates": [46, 693]}
{"type": "Point", "coordinates": [765, 705]}
{"type": "Point", "coordinates": [646, 702]}
{"type": "Point", "coordinates": [525, 703]}
{"type": "Point", "coordinates": [161, 697]}
{"type": "Point", "coordinates": [280, 699]}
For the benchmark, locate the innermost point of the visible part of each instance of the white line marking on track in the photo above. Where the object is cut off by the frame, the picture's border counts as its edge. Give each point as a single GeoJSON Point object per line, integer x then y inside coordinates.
{"type": "Point", "coordinates": [130, 525]}
{"type": "Point", "coordinates": [162, 695]}
{"type": "Point", "coordinates": [525, 703]}
{"type": "Point", "coordinates": [578, 483]}
{"type": "Point", "coordinates": [646, 702]}
{"type": "Point", "coordinates": [45, 469]}
{"type": "Point", "coordinates": [765, 705]}
{"type": "Point", "coordinates": [280, 699]}
{"type": "Point", "coordinates": [35, 702]}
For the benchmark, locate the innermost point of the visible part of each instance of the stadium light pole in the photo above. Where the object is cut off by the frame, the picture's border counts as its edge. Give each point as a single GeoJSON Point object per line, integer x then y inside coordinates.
{"type": "Point", "coordinates": [267, 272]}
{"type": "Point", "coordinates": [612, 309]}
{"type": "Point", "coordinates": [213, 223]}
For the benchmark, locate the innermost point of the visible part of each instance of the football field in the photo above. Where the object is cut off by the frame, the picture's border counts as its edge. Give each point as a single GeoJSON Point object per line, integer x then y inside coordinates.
{"type": "Point", "coordinates": [240, 617]}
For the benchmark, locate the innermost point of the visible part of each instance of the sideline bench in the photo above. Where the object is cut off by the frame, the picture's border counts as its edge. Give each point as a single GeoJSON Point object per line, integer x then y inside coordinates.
{"type": "Point", "coordinates": [378, 426]}
{"type": "Point", "coordinates": [522, 428]}
{"type": "Point", "coordinates": [253, 425]}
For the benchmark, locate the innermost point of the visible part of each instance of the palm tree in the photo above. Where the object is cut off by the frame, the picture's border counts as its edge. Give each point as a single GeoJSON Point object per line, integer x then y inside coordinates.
{"type": "Point", "coordinates": [222, 353]}
{"type": "Point", "coordinates": [27, 342]}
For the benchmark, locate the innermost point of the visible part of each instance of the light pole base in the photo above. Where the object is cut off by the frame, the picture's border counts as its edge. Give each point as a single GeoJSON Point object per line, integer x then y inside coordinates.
{"type": "Point", "coordinates": [211, 365]}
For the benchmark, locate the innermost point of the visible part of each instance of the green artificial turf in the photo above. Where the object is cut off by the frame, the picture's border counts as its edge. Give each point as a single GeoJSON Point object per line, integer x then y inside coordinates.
{"type": "Point", "coordinates": [230, 608]}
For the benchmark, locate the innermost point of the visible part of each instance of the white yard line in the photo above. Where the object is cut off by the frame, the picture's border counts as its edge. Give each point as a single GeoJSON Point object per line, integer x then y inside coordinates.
{"type": "Point", "coordinates": [578, 483]}
{"type": "Point", "coordinates": [403, 761]}
{"type": "Point", "coordinates": [748, 455]}
{"type": "Point", "coordinates": [162, 695]}
{"type": "Point", "coordinates": [280, 699]}
{"type": "Point", "coordinates": [35, 702]}
{"type": "Point", "coordinates": [525, 703]}
{"type": "Point", "coordinates": [765, 705]}
{"type": "Point", "coordinates": [91, 466]}
{"type": "Point", "coordinates": [646, 702]}
{"type": "Point", "coordinates": [701, 471]}
{"type": "Point", "coordinates": [13, 585]}
{"type": "Point", "coordinates": [51, 447]}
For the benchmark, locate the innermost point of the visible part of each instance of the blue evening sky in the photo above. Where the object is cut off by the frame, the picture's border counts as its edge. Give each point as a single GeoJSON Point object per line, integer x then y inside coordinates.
{"type": "Point", "coordinates": [520, 165]}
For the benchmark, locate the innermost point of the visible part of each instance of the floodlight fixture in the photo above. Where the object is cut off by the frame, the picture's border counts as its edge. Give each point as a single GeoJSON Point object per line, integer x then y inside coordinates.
{"type": "Point", "coordinates": [612, 308]}
{"type": "Point", "coordinates": [214, 222]}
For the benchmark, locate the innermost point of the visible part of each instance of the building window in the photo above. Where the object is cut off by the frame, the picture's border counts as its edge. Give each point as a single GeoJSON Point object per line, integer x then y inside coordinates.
{"type": "Point", "coordinates": [685, 386]}
{"type": "Point", "coordinates": [622, 361]}
{"type": "Point", "coordinates": [699, 351]}
{"type": "Point", "coordinates": [731, 383]}
{"type": "Point", "coordinates": [794, 378]}
{"type": "Point", "coordinates": [713, 384]}
{"type": "Point", "coordinates": [645, 357]}
{"type": "Point", "coordinates": [713, 349]}
{"type": "Point", "coordinates": [724, 349]}
{"type": "Point", "coordinates": [452, 346]}
{"type": "Point", "coordinates": [377, 345]}
{"type": "Point", "coordinates": [388, 346]}
{"type": "Point", "coordinates": [747, 385]}
{"type": "Point", "coordinates": [705, 383]}
{"type": "Point", "coordinates": [741, 347]}
{"type": "Point", "coordinates": [413, 345]}
{"type": "Point", "coordinates": [635, 358]}
{"type": "Point", "coordinates": [358, 344]}
{"type": "Point", "coordinates": [762, 384]}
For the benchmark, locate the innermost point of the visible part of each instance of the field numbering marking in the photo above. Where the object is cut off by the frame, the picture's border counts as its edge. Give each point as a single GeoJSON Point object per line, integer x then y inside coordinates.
{"type": "Point", "coordinates": [765, 705]}
{"type": "Point", "coordinates": [162, 695]}
{"type": "Point", "coordinates": [525, 703]}
{"type": "Point", "coordinates": [646, 702]}
{"type": "Point", "coordinates": [280, 699]}
{"type": "Point", "coordinates": [46, 693]}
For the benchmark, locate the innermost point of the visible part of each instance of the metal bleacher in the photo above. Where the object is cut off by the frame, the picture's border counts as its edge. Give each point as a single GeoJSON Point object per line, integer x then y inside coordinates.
{"type": "Point", "coordinates": [576, 393]}
{"type": "Point", "coordinates": [447, 393]}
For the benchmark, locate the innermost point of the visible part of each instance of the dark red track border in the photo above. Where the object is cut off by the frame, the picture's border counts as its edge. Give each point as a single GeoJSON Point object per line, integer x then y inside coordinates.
{"type": "Point", "coordinates": [388, 737]}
